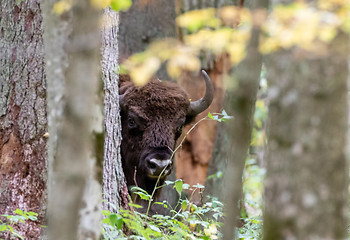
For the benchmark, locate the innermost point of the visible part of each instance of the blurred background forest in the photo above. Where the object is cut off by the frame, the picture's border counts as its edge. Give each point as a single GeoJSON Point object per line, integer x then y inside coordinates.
{"type": "Point", "coordinates": [267, 160]}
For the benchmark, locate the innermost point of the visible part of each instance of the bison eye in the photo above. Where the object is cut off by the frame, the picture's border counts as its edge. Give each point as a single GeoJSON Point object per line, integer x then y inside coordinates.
{"type": "Point", "coordinates": [131, 123]}
{"type": "Point", "coordinates": [178, 132]}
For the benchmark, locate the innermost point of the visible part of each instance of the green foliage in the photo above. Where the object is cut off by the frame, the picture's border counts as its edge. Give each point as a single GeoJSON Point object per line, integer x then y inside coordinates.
{"type": "Point", "coordinates": [7, 226]}
{"type": "Point", "coordinates": [120, 5]}
{"type": "Point", "coordinates": [251, 230]}
{"type": "Point", "coordinates": [220, 117]}
{"type": "Point", "coordinates": [186, 220]}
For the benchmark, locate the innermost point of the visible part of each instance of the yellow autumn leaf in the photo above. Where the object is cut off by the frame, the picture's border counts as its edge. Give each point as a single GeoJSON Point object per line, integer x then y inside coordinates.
{"type": "Point", "coordinates": [268, 45]}
{"type": "Point", "coordinates": [305, 31]}
{"type": "Point", "coordinates": [182, 61]}
{"type": "Point", "coordinates": [236, 51]}
{"type": "Point", "coordinates": [329, 5]}
{"type": "Point", "coordinates": [164, 48]}
{"type": "Point", "coordinates": [220, 39]}
{"type": "Point", "coordinates": [200, 39]}
{"type": "Point", "coordinates": [142, 73]}
{"type": "Point", "coordinates": [211, 231]}
{"type": "Point", "coordinates": [286, 38]}
{"type": "Point", "coordinates": [100, 4]}
{"type": "Point", "coordinates": [230, 15]}
{"type": "Point", "coordinates": [196, 19]}
{"type": "Point", "coordinates": [62, 6]}
{"type": "Point", "coordinates": [173, 69]}
{"type": "Point", "coordinates": [345, 26]}
{"type": "Point", "coordinates": [326, 33]}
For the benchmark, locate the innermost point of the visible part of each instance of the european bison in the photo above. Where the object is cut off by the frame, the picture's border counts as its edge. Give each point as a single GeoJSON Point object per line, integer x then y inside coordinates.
{"type": "Point", "coordinates": [152, 119]}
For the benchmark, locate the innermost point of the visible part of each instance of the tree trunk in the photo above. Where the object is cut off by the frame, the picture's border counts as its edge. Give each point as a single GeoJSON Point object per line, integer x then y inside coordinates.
{"type": "Point", "coordinates": [307, 172]}
{"type": "Point", "coordinates": [115, 192]}
{"type": "Point", "coordinates": [23, 121]}
{"type": "Point", "coordinates": [241, 103]}
{"type": "Point", "coordinates": [72, 148]}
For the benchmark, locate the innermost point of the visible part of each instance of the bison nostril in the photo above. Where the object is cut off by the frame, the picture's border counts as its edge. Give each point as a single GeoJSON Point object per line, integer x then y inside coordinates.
{"type": "Point", "coordinates": [158, 167]}
{"type": "Point", "coordinates": [152, 165]}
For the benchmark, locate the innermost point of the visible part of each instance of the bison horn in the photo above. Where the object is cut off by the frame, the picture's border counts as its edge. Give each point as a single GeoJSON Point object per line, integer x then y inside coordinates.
{"type": "Point", "coordinates": [200, 105]}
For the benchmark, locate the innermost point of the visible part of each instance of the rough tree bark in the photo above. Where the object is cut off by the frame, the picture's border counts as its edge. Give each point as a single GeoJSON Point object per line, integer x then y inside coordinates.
{"type": "Point", "coordinates": [71, 160]}
{"type": "Point", "coordinates": [23, 120]}
{"type": "Point", "coordinates": [115, 192]}
{"type": "Point", "coordinates": [306, 185]}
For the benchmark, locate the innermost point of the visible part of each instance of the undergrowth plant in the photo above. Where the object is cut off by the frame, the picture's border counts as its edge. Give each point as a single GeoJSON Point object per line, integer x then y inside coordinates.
{"type": "Point", "coordinates": [186, 220]}
{"type": "Point", "coordinates": [7, 229]}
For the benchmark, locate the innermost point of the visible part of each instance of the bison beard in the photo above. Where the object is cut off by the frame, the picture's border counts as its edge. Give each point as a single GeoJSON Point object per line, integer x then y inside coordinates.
{"type": "Point", "coordinates": [152, 118]}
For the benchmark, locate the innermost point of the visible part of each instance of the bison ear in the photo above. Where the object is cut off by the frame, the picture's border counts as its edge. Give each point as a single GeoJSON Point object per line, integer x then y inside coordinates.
{"type": "Point", "coordinates": [125, 85]}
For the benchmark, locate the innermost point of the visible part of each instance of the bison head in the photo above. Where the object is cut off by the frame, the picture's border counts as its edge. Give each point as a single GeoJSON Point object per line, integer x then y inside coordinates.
{"type": "Point", "coordinates": [152, 119]}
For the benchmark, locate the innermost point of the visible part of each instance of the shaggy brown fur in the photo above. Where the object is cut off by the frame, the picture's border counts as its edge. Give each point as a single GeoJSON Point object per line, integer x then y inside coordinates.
{"type": "Point", "coordinates": [152, 120]}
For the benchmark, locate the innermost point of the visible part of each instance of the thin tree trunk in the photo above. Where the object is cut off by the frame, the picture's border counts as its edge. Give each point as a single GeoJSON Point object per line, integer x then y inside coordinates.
{"type": "Point", "coordinates": [241, 103]}
{"type": "Point", "coordinates": [115, 192]}
{"type": "Point", "coordinates": [23, 121]}
{"type": "Point", "coordinates": [55, 35]}
{"type": "Point", "coordinates": [71, 162]}
{"type": "Point", "coordinates": [306, 186]}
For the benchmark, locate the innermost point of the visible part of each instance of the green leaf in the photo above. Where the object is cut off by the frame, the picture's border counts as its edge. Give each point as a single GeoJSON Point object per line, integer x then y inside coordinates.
{"type": "Point", "coordinates": [113, 218]}
{"type": "Point", "coordinates": [3, 227]}
{"type": "Point", "coordinates": [33, 218]}
{"type": "Point", "coordinates": [119, 223]}
{"type": "Point", "coordinates": [134, 189]}
{"type": "Point", "coordinates": [210, 116]}
{"type": "Point", "coordinates": [106, 221]}
{"type": "Point", "coordinates": [121, 5]}
{"type": "Point", "coordinates": [135, 205]}
{"type": "Point", "coordinates": [178, 186]}
{"type": "Point", "coordinates": [32, 214]}
{"type": "Point", "coordinates": [106, 212]}
{"type": "Point", "coordinates": [143, 196]}
{"type": "Point", "coordinates": [116, 220]}
{"type": "Point", "coordinates": [184, 205]}
{"type": "Point", "coordinates": [19, 211]}
{"type": "Point", "coordinates": [161, 203]}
